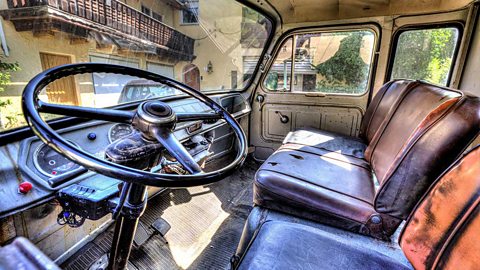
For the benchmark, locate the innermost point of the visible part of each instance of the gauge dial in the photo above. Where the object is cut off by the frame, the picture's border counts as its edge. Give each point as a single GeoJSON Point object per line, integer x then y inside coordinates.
{"type": "Point", "coordinates": [119, 131]}
{"type": "Point", "coordinates": [51, 163]}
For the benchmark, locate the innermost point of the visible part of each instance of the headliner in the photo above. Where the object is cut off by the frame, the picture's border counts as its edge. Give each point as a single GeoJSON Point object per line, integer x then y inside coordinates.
{"type": "Point", "coordinates": [297, 11]}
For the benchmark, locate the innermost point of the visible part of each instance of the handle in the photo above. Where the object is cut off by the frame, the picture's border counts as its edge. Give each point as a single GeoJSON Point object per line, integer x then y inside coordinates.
{"type": "Point", "coordinates": [283, 118]}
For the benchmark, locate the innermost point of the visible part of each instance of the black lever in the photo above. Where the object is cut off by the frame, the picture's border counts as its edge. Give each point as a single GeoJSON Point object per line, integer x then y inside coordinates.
{"type": "Point", "coordinates": [283, 118]}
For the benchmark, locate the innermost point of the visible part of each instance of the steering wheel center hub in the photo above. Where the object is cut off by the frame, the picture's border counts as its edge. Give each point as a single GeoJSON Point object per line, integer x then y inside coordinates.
{"type": "Point", "coordinates": [158, 109]}
{"type": "Point", "coordinates": [153, 115]}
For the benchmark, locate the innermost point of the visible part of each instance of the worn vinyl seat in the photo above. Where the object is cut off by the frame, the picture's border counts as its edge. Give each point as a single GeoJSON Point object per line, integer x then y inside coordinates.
{"type": "Point", "coordinates": [411, 139]}
{"type": "Point", "coordinates": [441, 233]}
{"type": "Point", "coordinates": [377, 111]}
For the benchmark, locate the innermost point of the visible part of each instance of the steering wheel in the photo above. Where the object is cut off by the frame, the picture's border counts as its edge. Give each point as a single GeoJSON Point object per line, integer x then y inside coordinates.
{"type": "Point", "coordinates": [154, 119]}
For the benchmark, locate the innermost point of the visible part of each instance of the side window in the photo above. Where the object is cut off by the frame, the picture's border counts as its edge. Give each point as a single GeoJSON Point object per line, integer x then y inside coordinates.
{"type": "Point", "coordinates": [278, 78]}
{"type": "Point", "coordinates": [425, 54]}
{"type": "Point", "coordinates": [327, 62]}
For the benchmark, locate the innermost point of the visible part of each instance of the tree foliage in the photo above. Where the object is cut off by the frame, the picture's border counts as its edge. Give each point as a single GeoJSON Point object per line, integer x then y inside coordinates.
{"type": "Point", "coordinates": [425, 54]}
{"type": "Point", "coordinates": [346, 70]}
{"type": "Point", "coordinates": [5, 75]}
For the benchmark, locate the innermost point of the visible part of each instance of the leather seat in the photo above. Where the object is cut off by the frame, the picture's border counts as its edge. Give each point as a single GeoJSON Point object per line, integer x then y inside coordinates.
{"type": "Point", "coordinates": [378, 110]}
{"type": "Point", "coordinates": [324, 186]}
{"type": "Point", "coordinates": [277, 246]}
{"type": "Point", "coordinates": [441, 233]}
{"type": "Point", "coordinates": [412, 132]}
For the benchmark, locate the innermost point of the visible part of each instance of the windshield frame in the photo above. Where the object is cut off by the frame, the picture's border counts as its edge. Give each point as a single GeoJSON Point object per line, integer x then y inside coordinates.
{"type": "Point", "coordinates": [23, 132]}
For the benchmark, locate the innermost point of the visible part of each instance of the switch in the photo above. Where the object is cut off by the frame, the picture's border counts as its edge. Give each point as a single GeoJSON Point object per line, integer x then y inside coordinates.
{"type": "Point", "coordinates": [91, 136]}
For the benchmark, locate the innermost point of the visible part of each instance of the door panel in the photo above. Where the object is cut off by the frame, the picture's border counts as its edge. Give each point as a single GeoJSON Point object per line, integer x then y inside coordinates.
{"type": "Point", "coordinates": [63, 90]}
{"type": "Point", "coordinates": [344, 120]}
{"type": "Point", "coordinates": [191, 76]}
{"type": "Point", "coordinates": [326, 87]}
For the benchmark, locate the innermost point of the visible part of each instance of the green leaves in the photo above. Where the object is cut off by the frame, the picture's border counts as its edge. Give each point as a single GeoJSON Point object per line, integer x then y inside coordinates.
{"type": "Point", "coordinates": [425, 54]}
{"type": "Point", "coordinates": [346, 70]}
{"type": "Point", "coordinates": [5, 70]}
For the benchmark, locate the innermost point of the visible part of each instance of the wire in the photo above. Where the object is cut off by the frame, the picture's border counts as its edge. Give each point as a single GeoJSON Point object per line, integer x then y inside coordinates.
{"type": "Point", "coordinates": [121, 201]}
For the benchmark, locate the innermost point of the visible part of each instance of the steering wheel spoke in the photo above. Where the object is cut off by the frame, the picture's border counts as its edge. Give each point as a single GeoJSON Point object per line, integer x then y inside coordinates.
{"type": "Point", "coordinates": [104, 114]}
{"type": "Point", "coordinates": [177, 150]}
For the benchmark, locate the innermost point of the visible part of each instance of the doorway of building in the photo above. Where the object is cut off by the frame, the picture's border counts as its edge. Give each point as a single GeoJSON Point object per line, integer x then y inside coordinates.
{"type": "Point", "coordinates": [191, 76]}
{"type": "Point", "coordinates": [62, 91]}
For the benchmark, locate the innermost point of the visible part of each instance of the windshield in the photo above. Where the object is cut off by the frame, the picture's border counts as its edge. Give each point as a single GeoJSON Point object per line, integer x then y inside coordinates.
{"type": "Point", "coordinates": [210, 45]}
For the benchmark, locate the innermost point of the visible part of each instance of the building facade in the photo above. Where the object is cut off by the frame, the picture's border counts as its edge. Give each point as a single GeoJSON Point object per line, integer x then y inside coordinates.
{"type": "Point", "coordinates": [203, 43]}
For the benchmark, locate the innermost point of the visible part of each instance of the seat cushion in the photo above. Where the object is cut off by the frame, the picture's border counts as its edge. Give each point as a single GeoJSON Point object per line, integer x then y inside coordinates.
{"type": "Point", "coordinates": [326, 140]}
{"type": "Point", "coordinates": [322, 186]}
{"type": "Point", "coordinates": [380, 107]}
{"type": "Point", "coordinates": [284, 245]}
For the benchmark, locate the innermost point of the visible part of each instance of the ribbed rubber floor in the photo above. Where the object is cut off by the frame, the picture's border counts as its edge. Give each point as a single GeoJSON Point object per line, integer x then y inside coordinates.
{"type": "Point", "coordinates": [206, 224]}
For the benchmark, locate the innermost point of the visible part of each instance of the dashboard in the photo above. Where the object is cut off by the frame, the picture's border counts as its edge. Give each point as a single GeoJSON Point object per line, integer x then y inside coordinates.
{"type": "Point", "coordinates": [33, 161]}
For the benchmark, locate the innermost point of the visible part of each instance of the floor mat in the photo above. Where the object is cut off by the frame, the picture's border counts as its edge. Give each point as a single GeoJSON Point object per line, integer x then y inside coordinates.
{"type": "Point", "coordinates": [206, 224]}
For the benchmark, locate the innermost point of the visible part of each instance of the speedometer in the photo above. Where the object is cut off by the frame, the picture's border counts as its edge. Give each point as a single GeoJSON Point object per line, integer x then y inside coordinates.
{"type": "Point", "coordinates": [50, 163]}
{"type": "Point", "coordinates": [119, 131]}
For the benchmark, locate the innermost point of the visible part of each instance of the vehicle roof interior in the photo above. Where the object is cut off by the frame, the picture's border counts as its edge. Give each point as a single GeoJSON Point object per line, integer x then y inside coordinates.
{"type": "Point", "coordinates": [298, 11]}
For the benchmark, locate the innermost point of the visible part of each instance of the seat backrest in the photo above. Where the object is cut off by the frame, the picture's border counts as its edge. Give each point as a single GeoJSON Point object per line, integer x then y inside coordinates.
{"type": "Point", "coordinates": [381, 105]}
{"type": "Point", "coordinates": [426, 130]}
{"type": "Point", "coordinates": [443, 230]}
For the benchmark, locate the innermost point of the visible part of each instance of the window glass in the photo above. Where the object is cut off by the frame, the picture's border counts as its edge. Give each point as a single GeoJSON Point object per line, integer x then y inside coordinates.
{"type": "Point", "coordinates": [146, 10]}
{"type": "Point", "coordinates": [328, 62]}
{"type": "Point", "coordinates": [220, 52]}
{"type": "Point", "coordinates": [190, 13]}
{"type": "Point", "coordinates": [157, 16]}
{"type": "Point", "coordinates": [425, 54]}
{"type": "Point", "coordinates": [278, 77]}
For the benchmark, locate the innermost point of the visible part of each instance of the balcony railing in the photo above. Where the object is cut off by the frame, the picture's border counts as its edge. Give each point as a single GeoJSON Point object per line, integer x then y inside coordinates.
{"type": "Point", "coordinates": [113, 15]}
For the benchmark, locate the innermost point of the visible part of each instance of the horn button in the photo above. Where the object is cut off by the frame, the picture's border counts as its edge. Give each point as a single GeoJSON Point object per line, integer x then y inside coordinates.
{"type": "Point", "coordinates": [154, 114]}
{"type": "Point", "coordinates": [158, 109]}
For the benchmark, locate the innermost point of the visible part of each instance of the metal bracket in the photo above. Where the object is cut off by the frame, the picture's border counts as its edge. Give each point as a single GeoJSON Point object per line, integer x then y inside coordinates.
{"type": "Point", "coordinates": [264, 64]}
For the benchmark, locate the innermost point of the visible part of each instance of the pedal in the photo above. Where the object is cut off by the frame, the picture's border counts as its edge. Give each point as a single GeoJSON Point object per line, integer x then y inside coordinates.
{"type": "Point", "coordinates": [162, 227]}
{"type": "Point", "coordinates": [102, 264]}
{"type": "Point", "coordinates": [142, 235]}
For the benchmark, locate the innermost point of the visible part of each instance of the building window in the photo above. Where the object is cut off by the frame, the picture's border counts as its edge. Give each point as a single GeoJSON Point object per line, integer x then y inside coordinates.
{"type": "Point", "coordinates": [157, 16]}
{"type": "Point", "coordinates": [153, 14]}
{"type": "Point", "coordinates": [146, 11]}
{"type": "Point", "coordinates": [189, 15]}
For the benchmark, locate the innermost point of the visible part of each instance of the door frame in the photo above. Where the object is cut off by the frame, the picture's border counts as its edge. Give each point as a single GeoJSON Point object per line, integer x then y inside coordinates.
{"type": "Point", "coordinates": [267, 145]}
{"type": "Point", "coordinates": [188, 69]}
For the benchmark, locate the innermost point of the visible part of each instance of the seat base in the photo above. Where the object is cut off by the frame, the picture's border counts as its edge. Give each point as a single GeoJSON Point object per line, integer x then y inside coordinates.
{"type": "Point", "coordinates": [328, 141]}
{"type": "Point", "coordinates": [324, 186]}
{"type": "Point", "coordinates": [273, 240]}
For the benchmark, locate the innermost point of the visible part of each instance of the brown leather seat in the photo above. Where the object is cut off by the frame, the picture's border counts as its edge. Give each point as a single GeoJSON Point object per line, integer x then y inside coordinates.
{"type": "Point", "coordinates": [412, 138]}
{"type": "Point", "coordinates": [441, 233]}
{"type": "Point", "coordinates": [378, 110]}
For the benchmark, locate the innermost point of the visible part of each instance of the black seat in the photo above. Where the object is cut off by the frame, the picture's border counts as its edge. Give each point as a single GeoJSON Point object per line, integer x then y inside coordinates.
{"type": "Point", "coordinates": [285, 245]}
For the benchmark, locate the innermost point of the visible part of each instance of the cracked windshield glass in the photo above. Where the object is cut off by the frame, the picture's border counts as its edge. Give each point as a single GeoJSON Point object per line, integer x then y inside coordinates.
{"type": "Point", "coordinates": [210, 45]}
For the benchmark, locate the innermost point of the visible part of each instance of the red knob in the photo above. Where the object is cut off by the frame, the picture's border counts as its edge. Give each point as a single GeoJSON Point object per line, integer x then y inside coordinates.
{"type": "Point", "coordinates": [25, 187]}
